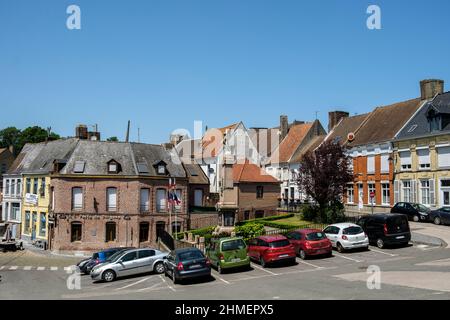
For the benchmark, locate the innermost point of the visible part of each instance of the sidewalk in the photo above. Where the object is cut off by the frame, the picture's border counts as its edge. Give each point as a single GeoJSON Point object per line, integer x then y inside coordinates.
{"type": "Point", "coordinates": [427, 233]}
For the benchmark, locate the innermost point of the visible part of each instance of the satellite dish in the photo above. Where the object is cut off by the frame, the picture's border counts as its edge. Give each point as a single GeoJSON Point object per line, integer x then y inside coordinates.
{"type": "Point", "coordinates": [351, 136]}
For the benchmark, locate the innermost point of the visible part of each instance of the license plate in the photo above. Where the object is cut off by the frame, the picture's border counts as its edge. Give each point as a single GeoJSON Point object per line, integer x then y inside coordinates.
{"type": "Point", "coordinates": [194, 266]}
{"type": "Point", "coordinates": [235, 260]}
{"type": "Point", "coordinates": [321, 251]}
{"type": "Point", "coordinates": [283, 255]}
{"type": "Point", "coordinates": [400, 237]}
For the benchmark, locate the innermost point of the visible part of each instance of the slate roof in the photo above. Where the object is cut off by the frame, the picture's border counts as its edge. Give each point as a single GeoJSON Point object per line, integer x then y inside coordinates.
{"type": "Point", "coordinates": [25, 158]}
{"type": "Point", "coordinates": [345, 126]}
{"type": "Point", "coordinates": [249, 172]}
{"type": "Point", "coordinates": [195, 174]}
{"type": "Point", "coordinates": [384, 122]}
{"type": "Point", "coordinates": [418, 126]}
{"type": "Point", "coordinates": [290, 143]}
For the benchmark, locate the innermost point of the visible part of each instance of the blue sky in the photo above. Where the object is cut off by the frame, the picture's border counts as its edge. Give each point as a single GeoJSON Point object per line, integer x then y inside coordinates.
{"type": "Point", "coordinates": [163, 64]}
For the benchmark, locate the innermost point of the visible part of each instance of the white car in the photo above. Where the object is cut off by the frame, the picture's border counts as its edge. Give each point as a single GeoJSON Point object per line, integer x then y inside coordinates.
{"type": "Point", "coordinates": [345, 236]}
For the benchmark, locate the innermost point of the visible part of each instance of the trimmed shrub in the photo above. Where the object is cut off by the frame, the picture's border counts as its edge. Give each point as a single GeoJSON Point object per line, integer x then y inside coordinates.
{"type": "Point", "coordinates": [271, 218]}
{"type": "Point", "coordinates": [250, 230]}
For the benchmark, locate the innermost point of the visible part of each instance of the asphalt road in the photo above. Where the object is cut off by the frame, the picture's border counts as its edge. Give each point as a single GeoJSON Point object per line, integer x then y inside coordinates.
{"type": "Point", "coordinates": [415, 272]}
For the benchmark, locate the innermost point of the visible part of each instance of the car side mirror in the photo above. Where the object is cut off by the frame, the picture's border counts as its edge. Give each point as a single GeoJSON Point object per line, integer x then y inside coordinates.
{"type": "Point", "coordinates": [164, 258]}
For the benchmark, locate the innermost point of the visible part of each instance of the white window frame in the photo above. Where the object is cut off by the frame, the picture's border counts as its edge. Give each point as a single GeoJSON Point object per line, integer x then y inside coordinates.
{"type": "Point", "coordinates": [370, 164]}
{"type": "Point", "coordinates": [111, 199]}
{"type": "Point", "coordinates": [350, 194]}
{"type": "Point", "coordinates": [441, 163]}
{"type": "Point", "coordinates": [77, 198]}
{"type": "Point", "coordinates": [404, 189]}
{"type": "Point", "coordinates": [385, 194]}
{"type": "Point", "coordinates": [425, 192]}
{"type": "Point", "coordinates": [371, 187]}
{"type": "Point", "coordinates": [423, 161]}
{"type": "Point", "coordinates": [405, 162]}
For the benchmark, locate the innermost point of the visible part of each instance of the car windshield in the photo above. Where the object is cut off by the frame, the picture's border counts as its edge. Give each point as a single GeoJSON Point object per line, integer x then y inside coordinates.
{"type": "Point", "coordinates": [190, 255]}
{"type": "Point", "coordinates": [420, 207]}
{"type": "Point", "coordinates": [315, 236]}
{"type": "Point", "coordinates": [230, 245]}
{"type": "Point", "coordinates": [353, 230]}
{"type": "Point", "coordinates": [115, 256]}
{"type": "Point", "coordinates": [279, 243]}
{"type": "Point", "coordinates": [95, 256]}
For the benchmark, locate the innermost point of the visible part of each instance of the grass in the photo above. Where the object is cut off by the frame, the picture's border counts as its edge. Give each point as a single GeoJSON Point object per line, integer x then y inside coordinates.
{"type": "Point", "coordinates": [295, 221]}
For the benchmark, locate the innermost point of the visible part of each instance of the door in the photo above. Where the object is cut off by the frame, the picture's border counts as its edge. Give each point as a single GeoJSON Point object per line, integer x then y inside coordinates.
{"type": "Point", "coordinates": [445, 197]}
{"type": "Point", "coordinates": [252, 248]}
{"type": "Point", "coordinates": [33, 226]}
{"type": "Point", "coordinates": [212, 253]}
{"type": "Point", "coordinates": [295, 239]}
{"type": "Point", "coordinates": [261, 248]}
{"type": "Point", "coordinates": [332, 233]}
{"type": "Point", "coordinates": [198, 198]}
{"type": "Point", "coordinates": [144, 261]}
{"type": "Point", "coordinates": [127, 264]}
{"type": "Point", "coordinates": [160, 227]}
{"type": "Point", "coordinates": [360, 196]}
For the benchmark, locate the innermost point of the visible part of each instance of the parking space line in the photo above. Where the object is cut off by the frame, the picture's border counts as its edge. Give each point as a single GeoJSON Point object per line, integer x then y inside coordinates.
{"type": "Point", "coordinates": [13, 268]}
{"type": "Point", "coordinates": [27, 268]}
{"type": "Point", "coordinates": [54, 268]}
{"type": "Point", "coordinates": [386, 253]}
{"type": "Point", "coordinates": [164, 280]}
{"type": "Point", "coordinates": [149, 288]}
{"type": "Point", "coordinates": [344, 257]}
{"type": "Point", "coordinates": [221, 279]}
{"type": "Point", "coordinates": [262, 269]}
{"type": "Point", "coordinates": [40, 268]}
{"type": "Point", "coordinates": [133, 284]}
{"type": "Point", "coordinates": [310, 264]}
{"type": "Point", "coordinates": [2, 267]}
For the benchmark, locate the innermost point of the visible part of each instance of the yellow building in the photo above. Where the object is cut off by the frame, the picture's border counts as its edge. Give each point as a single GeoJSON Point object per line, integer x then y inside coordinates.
{"type": "Point", "coordinates": [422, 156]}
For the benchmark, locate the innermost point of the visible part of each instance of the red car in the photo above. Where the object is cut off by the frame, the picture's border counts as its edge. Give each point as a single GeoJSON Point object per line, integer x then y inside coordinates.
{"type": "Point", "coordinates": [268, 249]}
{"type": "Point", "coordinates": [310, 242]}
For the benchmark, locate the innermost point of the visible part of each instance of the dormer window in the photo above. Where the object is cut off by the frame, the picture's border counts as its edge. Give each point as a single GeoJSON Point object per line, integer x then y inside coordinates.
{"type": "Point", "coordinates": [113, 167]}
{"type": "Point", "coordinates": [434, 119]}
{"type": "Point", "coordinates": [161, 168]}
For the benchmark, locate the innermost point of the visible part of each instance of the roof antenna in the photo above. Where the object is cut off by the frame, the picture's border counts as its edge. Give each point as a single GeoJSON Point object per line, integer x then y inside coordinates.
{"type": "Point", "coordinates": [139, 135]}
{"type": "Point", "coordinates": [128, 132]}
{"type": "Point", "coordinates": [316, 114]}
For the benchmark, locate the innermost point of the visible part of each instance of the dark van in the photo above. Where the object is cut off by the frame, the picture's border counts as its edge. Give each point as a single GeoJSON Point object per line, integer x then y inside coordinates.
{"type": "Point", "coordinates": [386, 229]}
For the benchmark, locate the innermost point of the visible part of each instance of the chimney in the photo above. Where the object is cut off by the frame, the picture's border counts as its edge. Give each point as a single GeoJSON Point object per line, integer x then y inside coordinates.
{"type": "Point", "coordinates": [81, 132]}
{"type": "Point", "coordinates": [284, 125]}
{"type": "Point", "coordinates": [334, 117]}
{"type": "Point", "coordinates": [430, 88]}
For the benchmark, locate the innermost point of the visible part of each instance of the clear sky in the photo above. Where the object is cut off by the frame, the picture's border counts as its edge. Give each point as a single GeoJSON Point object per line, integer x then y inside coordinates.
{"type": "Point", "coordinates": [164, 63]}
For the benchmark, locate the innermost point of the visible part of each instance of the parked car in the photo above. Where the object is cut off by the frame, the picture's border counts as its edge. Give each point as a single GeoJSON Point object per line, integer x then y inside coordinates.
{"type": "Point", "coordinates": [415, 211]}
{"type": "Point", "coordinates": [186, 263]}
{"type": "Point", "coordinates": [228, 253]}
{"type": "Point", "coordinates": [346, 236]}
{"type": "Point", "coordinates": [386, 229]}
{"type": "Point", "coordinates": [310, 242]}
{"type": "Point", "coordinates": [440, 216]}
{"type": "Point", "coordinates": [269, 249]}
{"type": "Point", "coordinates": [129, 262]}
{"type": "Point", "coordinates": [85, 266]}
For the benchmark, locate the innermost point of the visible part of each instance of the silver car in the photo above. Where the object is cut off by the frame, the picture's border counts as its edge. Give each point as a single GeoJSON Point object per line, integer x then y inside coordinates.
{"type": "Point", "coordinates": [344, 236]}
{"type": "Point", "coordinates": [129, 262]}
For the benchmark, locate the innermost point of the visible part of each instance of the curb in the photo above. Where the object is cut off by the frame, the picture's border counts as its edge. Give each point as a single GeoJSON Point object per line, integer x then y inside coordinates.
{"type": "Point", "coordinates": [420, 238]}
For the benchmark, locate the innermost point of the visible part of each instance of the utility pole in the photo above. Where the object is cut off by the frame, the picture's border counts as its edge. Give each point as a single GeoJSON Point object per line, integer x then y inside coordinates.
{"type": "Point", "coordinates": [139, 135]}
{"type": "Point", "coordinates": [127, 139]}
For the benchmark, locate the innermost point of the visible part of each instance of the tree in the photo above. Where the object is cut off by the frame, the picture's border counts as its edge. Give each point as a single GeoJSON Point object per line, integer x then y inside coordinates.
{"type": "Point", "coordinates": [12, 136]}
{"type": "Point", "coordinates": [9, 137]}
{"type": "Point", "coordinates": [112, 139]}
{"type": "Point", "coordinates": [323, 176]}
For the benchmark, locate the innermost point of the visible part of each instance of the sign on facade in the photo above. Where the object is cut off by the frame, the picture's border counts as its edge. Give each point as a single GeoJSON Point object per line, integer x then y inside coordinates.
{"type": "Point", "coordinates": [31, 198]}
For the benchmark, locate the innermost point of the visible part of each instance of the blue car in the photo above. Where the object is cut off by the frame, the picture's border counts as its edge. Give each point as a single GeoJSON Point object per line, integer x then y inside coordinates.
{"type": "Point", "coordinates": [97, 258]}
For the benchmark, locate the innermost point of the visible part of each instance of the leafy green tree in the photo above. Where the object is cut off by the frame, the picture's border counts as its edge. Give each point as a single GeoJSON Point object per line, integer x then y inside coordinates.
{"type": "Point", "coordinates": [9, 137]}
{"type": "Point", "coordinates": [12, 136]}
{"type": "Point", "coordinates": [112, 139]}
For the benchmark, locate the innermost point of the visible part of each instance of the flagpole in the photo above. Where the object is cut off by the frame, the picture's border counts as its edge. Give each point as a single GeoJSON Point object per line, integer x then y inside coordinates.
{"type": "Point", "coordinates": [170, 209]}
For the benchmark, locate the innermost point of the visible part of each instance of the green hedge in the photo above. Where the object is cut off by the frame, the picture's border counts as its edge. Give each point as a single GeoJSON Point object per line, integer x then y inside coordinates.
{"type": "Point", "coordinates": [271, 218]}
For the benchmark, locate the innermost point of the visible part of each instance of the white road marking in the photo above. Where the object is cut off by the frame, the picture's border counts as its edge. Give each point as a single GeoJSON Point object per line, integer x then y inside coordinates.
{"type": "Point", "coordinates": [40, 268]}
{"type": "Point", "coordinates": [344, 257]}
{"type": "Point", "coordinates": [149, 288]}
{"type": "Point", "coordinates": [310, 264]}
{"type": "Point", "coordinates": [388, 254]}
{"type": "Point", "coordinates": [133, 284]}
{"type": "Point", "coordinates": [171, 288]}
{"type": "Point", "coordinates": [27, 268]}
{"type": "Point", "coordinates": [54, 268]}
{"type": "Point", "coordinates": [67, 268]}
{"type": "Point", "coordinates": [13, 268]}
{"type": "Point", "coordinates": [2, 267]}
{"type": "Point", "coordinates": [223, 280]}
{"type": "Point", "coordinates": [265, 270]}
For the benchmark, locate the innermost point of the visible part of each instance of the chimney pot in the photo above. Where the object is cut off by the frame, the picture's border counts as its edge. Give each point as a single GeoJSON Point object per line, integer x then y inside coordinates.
{"type": "Point", "coordinates": [284, 126]}
{"type": "Point", "coordinates": [81, 132]}
{"type": "Point", "coordinates": [334, 117]}
{"type": "Point", "coordinates": [430, 88]}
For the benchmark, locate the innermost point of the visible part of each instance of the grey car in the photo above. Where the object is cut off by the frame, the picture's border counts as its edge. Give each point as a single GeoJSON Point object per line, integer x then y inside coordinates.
{"type": "Point", "coordinates": [129, 262]}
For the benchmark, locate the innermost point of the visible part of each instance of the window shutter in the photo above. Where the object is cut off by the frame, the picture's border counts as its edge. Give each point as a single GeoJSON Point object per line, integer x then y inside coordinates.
{"type": "Point", "coordinates": [385, 163]}
{"type": "Point", "coordinates": [405, 157]}
{"type": "Point", "coordinates": [444, 157]}
{"type": "Point", "coordinates": [423, 156]}
{"type": "Point", "coordinates": [432, 192]}
{"type": "Point", "coordinates": [413, 190]}
{"type": "Point", "coordinates": [396, 191]}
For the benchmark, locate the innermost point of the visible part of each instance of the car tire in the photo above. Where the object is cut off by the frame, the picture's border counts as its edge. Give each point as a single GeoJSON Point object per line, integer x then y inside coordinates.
{"type": "Point", "coordinates": [109, 276]}
{"type": "Point", "coordinates": [262, 262]}
{"type": "Point", "coordinates": [159, 268]}
{"type": "Point", "coordinates": [437, 220]}
{"type": "Point", "coordinates": [366, 248]}
{"type": "Point", "coordinates": [416, 218]}
{"type": "Point", "coordinates": [302, 255]}
{"type": "Point", "coordinates": [380, 243]}
{"type": "Point", "coordinates": [329, 254]}
{"type": "Point", "coordinates": [340, 248]}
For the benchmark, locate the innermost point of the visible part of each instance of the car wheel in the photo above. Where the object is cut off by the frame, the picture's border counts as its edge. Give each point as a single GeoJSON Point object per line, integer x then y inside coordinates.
{"type": "Point", "coordinates": [366, 248]}
{"type": "Point", "coordinates": [262, 262]}
{"type": "Point", "coordinates": [437, 220]}
{"type": "Point", "coordinates": [380, 243]}
{"type": "Point", "coordinates": [329, 254]}
{"type": "Point", "coordinates": [416, 218]}
{"type": "Point", "coordinates": [340, 248]}
{"type": "Point", "coordinates": [109, 276]}
{"type": "Point", "coordinates": [302, 254]}
{"type": "Point", "coordinates": [159, 268]}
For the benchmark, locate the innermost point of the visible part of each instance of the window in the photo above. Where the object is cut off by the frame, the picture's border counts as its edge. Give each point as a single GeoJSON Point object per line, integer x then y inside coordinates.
{"type": "Point", "coordinates": [405, 160]}
{"type": "Point", "coordinates": [111, 200]}
{"type": "Point", "coordinates": [35, 186]}
{"type": "Point", "coordinates": [142, 167]}
{"type": "Point", "coordinates": [42, 224]}
{"type": "Point", "coordinates": [7, 187]}
{"type": "Point", "coordinates": [77, 198]}
{"type": "Point", "coordinates": [423, 157]}
{"type": "Point", "coordinates": [178, 193]}
{"type": "Point", "coordinates": [371, 164]}
{"type": "Point", "coordinates": [6, 211]}
{"type": "Point", "coordinates": [15, 211]}
{"type": "Point", "coordinates": [42, 189]}
{"type": "Point", "coordinates": [384, 163]}
{"type": "Point", "coordinates": [246, 215]}
{"type": "Point", "coordinates": [129, 256]}
{"type": "Point", "coordinates": [146, 253]}
{"type": "Point", "coordinates": [370, 189]}
{"type": "Point", "coordinates": [176, 227]}
{"type": "Point", "coordinates": [161, 169]}
{"type": "Point", "coordinates": [161, 200]}
{"type": "Point", "coordinates": [110, 231]}
{"type": "Point", "coordinates": [259, 214]}
{"type": "Point", "coordinates": [260, 192]}
{"type": "Point", "coordinates": [27, 222]}
{"type": "Point", "coordinates": [425, 192]}
{"type": "Point", "coordinates": [75, 231]}
{"type": "Point", "coordinates": [406, 190]}
{"type": "Point", "coordinates": [350, 194]}
{"type": "Point", "coordinates": [198, 197]}
{"type": "Point", "coordinates": [19, 187]}
{"type": "Point", "coordinates": [386, 194]}
{"type": "Point", "coordinates": [112, 167]}
{"type": "Point", "coordinates": [228, 219]}
{"type": "Point", "coordinates": [79, 166]}
{"type": "Point", "coordinates": [144, 228]}
{"type": "Point", "coordinates": [145, 200]}
{"type": "Point", "coordinates": [28, 185]}
{"type": "Point", "coordinates": [443, 157]}
{"type": "Point", "coordinates": [292, 190]}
